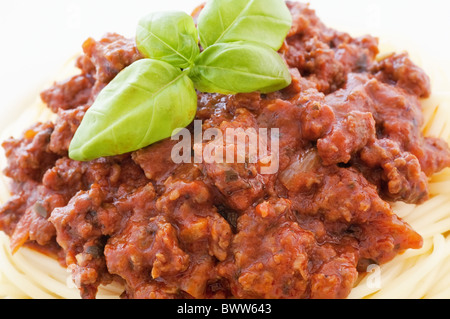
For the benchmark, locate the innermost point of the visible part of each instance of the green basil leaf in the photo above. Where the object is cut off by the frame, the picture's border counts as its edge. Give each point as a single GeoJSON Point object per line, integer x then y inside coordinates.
{"type": "Point", "coordinates": [263, 21]}
{"type": "Point", "coordinates": [170, 36]}
{"type": "Point", "coordinates": [239, 67]}
{"type": "Point", "coordinates": [143, 104]}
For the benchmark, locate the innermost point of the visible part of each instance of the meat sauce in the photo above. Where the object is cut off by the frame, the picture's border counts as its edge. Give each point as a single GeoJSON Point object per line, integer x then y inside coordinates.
{"type": "Point", "coordinates": [350, 143]}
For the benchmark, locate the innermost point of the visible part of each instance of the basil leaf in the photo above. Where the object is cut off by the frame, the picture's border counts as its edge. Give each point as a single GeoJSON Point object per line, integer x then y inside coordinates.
{"type": "Point", "coordinates": [239, 67]}
{"type": "Point", "coordinates": [143, 104]}
{"type": "Point", "coordinates": [168, 36]}
{"type": "Point", "coordinates": [264, 21]}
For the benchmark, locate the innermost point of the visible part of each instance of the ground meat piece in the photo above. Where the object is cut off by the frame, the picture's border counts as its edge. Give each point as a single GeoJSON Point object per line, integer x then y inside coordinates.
{"type": "Point", "coordinates": [116, 175]}
{"type": "Point", "coordinates": [77, 219]}
{"type": "Point", "coordinates": [109, 55]}
{"type": "Point", "coordinates": [304, 20]}
{"type": "Point", "coordinates": [239, 180]}
{"type": "Point", "coordinates": [298, 85]}
{"type": "Point", "coordinates": [347, 203]}
{"type": "Point", "coordinates": [335, 275]}
{"type": "Point", "coordinates": [250, 101]}
{"type": "Point", "coordinates": [398, 117]}
{"type": "Point", "coordinates": [316, 117]}
{"type": "Point", "coordinates": [84, 63]}
{"type": "Point", "coordinates": [79, 233]}
{"type": "Point", "coordinates": [402, 177]}
{"type": "Point", "coordinates": [190, 207]}
{"type": "Point", "coordinates": [156, 161]}
{"type": "Point", "coordinates": [289, 118]}
{"type": "Point", "coordinates": [69, 94]}
{"type": "Point", "coordinates": [66, 177]}
{"type": "Point", "coordinates": [92, 214]}
{"type": "Point", "coordinates": [433, 155]}
{"type": "Point", "coordinates": [205, 234]}
{"type": "Point", "coordinates": [348, 136]}
{"type": "Point", "coordinates": [284, 116]}
{"type": "Point", "coordinates": [66, 125]}
{"type": "Point", "coordinates": [146, 247]}
{"type": "Point", "coordinates": [213, 107]}
{"type": "Point", "coordinates": [399, 70]}
{"type": "Point", "coordinates": [270, 254]}
{"type": "Point", "coordinates": [29, 157]}
{"type": "Point", "coordinates": [33, 225]}
{"type": "Point", "coordinates": [352, 97]}
{"type": "Point", "coordinates": [101, 62]}
{"type": "Point", "coordinates": [323, 55]}
{"type": "Point", "coordinates": [12, 211]}
{"type": "Point", "coordinates": [358, 54]}
{"type": "Point", "coordinates": [318, 63]}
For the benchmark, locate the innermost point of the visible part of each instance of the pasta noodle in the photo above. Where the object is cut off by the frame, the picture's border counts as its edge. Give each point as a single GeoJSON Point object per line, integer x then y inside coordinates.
{"type": "Point", "coordinates": [421, 273]}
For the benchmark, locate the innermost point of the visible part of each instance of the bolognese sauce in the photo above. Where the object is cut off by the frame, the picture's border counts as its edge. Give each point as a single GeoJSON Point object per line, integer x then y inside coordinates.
{"type": "Point", "coordinates": [350, 143]}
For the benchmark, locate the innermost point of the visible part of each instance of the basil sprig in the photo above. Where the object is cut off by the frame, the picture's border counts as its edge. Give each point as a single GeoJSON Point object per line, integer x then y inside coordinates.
{"type": "Point", "coordinates": [266, 22]}
{"type": "Point", "coordinates": [170, 37]}
{"type": "Point", "coordinates": [254, 67]}
{"type": "Point", "coordinates": [142, 105]}
{"type": "Point", "coordinates": [147, 101]}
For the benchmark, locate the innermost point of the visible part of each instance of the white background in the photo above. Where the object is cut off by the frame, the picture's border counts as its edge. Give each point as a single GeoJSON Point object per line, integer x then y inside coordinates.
{"type": "Point", "coordinates": [37, 37]}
